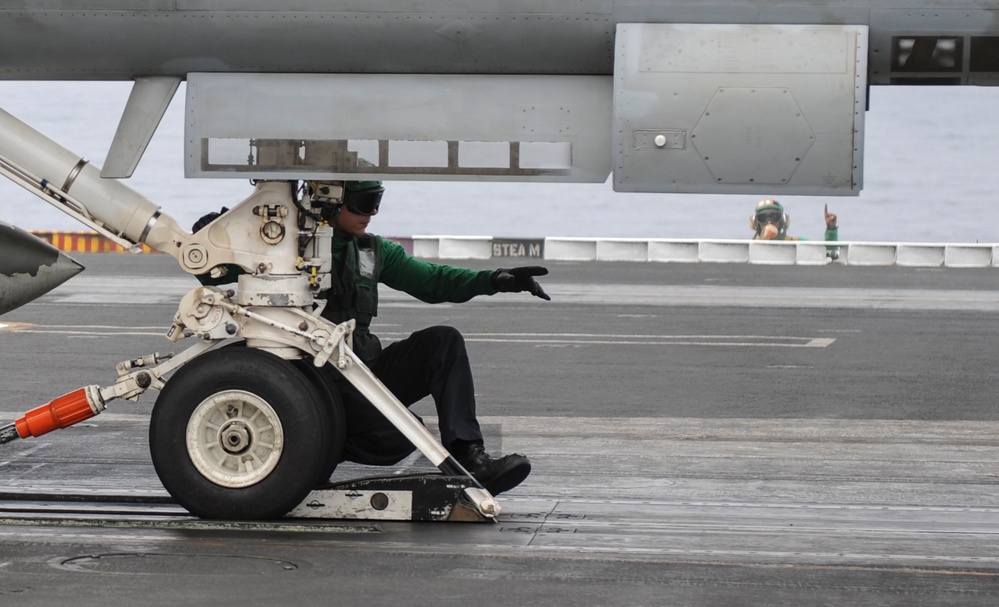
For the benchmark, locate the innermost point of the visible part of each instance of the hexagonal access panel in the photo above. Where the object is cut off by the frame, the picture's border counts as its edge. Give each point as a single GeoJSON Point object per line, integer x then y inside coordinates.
{"type": "Point", "coordinates": [752, 135]}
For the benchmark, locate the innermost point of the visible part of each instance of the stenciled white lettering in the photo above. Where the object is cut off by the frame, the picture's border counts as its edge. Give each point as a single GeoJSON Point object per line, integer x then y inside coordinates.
{"type": "Point", "coordinates": [516, 249]}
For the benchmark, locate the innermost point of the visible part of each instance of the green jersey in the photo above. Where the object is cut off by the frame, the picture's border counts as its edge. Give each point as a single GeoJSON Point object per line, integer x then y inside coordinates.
{"type": "Point", "coordinates": [360, 263]}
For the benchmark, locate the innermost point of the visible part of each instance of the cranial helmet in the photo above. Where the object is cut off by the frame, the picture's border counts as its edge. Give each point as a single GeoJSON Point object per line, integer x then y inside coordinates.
{"type": "Point", "coordinates": [770, 212]}
{"type": "Point", "coordinates": [360, 197]}
{"type": "Point", "coordinates": [363, 197]}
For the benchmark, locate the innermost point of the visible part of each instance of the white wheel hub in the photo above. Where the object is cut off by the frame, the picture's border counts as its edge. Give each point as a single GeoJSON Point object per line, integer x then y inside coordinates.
{"type": "Point", "coordinates": [234, 438]}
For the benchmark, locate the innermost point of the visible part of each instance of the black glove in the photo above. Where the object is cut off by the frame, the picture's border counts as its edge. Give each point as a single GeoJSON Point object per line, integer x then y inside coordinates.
{"type": "Point", "coordinates": [516, 280]}
{"type": "Point", "coordinates": [207, 219]}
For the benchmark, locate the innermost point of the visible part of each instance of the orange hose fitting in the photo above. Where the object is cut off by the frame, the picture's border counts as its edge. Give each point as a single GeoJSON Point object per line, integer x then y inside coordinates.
{"type": "Point", "coordinates": [62, 412]}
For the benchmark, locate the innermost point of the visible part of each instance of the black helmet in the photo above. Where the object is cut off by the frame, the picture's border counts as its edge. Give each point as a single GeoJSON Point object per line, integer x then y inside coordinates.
{"type": "Point", "coordinates": [362, 197]}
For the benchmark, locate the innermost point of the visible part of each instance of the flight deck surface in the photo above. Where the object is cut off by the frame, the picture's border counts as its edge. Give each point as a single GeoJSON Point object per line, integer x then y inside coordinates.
{"type": "Point", "coordinates": [701, 434]}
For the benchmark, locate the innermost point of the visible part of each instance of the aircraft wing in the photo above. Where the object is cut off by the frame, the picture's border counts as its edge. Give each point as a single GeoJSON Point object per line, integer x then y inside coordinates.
{"type": "Point", "coordinates": [670, 96]}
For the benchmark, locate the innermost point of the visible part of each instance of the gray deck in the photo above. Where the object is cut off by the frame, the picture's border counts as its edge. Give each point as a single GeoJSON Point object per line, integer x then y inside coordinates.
{"type": "Point", "coordinates": [714, 434]}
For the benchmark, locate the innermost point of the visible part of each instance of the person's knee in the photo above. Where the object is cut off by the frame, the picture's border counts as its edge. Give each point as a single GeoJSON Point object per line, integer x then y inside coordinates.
{"type": "Point", "coordinates": [447, 337]}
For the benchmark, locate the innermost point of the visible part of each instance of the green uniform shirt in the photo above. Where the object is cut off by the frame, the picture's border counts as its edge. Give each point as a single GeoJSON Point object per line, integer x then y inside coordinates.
{"type": "Point", "coordinates": [360, 263]}
{"type": "Point", "coordinates": [831, 235]}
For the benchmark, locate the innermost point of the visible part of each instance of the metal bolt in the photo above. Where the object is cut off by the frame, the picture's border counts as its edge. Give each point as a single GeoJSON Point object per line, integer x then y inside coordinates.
{"type": "Point", "coordinates": [379, 501]}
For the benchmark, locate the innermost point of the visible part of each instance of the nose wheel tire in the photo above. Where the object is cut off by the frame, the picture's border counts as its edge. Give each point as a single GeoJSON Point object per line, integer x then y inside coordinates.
{"type": "Point", "coordinates": [337, 417]}
{"type": "Point", "coordinates": [239, 433]}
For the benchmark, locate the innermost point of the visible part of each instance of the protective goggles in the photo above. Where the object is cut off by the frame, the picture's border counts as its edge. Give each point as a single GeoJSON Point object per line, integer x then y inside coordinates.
{"type": "Point", "coordinates": [774, 217]}
{"type": "Point", "coordinates": [364, 202]}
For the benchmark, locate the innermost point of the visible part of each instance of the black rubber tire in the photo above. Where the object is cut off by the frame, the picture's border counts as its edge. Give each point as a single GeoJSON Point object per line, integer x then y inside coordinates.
{"type": "Point", "coordinates": [336, 418]}
{"type": "Point", "coordinates": [257, 381]}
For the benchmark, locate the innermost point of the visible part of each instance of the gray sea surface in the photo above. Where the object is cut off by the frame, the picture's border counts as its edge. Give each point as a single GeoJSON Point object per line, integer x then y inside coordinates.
{"type": "Point", "coordinates": [930, 175]}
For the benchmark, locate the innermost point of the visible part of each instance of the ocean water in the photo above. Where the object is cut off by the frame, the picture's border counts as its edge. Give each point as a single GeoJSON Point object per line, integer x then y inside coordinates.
{"type": "Point", "coordinates": [931, 174]}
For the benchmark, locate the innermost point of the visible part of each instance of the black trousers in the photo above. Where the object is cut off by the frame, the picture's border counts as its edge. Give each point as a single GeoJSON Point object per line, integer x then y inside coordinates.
{"type": "Point", "coordinates": [432, 362]}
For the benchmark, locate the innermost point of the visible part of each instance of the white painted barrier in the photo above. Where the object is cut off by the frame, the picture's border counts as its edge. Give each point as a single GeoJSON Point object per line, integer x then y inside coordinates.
{"type": "Point", "coordinates": [929, 256]}
{"type": "Point", "coordinates": [677, 251]}
{"type": "Point", "coordinates": [815, 253]}
{"type": "Point", "coordinates": [622, 249]}
{"type": "Point", "coordinates": [773, 252]}
{"type": "Point", "coordinates": [571, 249]}
{"type": "Point", "coordinates": [971, 256]}
{"type": "Point", "coordinates": [801, 252]}
{"type": "Point", "coordinates": [872, 254]}
{"type": "Point", "coordinates": [724, 251]}
{"type": "Point", "coordinates": [465, 247]}
{"type": "Point", "coordinates": [426, 247]}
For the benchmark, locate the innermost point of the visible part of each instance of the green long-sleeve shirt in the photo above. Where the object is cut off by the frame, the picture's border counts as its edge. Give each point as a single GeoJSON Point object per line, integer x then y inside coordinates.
{"type": "Point", "coordinates": [831, 235]}
{"type": "Point", "coordinates": [360, 263]}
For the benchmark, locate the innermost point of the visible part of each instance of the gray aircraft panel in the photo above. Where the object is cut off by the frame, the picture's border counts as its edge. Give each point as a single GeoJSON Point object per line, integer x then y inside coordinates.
{"type": "Point", "coordinates": [929, 43]}
{"type": "Point", "coordinates": [465, 126]}
{"type": "Point", "coordinates": [739, 109]}
{"type": "Point", "coordinates": [435, 36]}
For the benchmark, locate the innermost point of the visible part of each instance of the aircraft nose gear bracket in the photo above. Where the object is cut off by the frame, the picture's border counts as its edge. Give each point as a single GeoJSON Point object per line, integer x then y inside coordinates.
{"type": "Point", "coordinates": [410, 497]}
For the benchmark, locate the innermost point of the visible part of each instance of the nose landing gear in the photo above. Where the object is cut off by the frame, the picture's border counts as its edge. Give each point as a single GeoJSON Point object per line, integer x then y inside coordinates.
{"type": "Point", "coordinates": [239, 433]}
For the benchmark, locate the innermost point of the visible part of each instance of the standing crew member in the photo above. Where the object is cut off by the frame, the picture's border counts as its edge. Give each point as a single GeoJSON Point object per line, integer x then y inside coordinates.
{"type": "Point", "coordinates": [770, 222]}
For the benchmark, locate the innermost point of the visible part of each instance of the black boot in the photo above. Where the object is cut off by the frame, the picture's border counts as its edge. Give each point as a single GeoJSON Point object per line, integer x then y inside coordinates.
{"type": "Point", "coordinates": [496, 475]}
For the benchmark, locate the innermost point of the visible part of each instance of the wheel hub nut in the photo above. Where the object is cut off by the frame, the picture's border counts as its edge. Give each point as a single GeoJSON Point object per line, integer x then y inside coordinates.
{"type": "Point", "coordinates": [235, 438]}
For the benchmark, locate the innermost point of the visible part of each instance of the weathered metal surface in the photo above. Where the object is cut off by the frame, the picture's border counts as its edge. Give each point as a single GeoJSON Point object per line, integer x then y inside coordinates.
{"type": "Point", "coordinates": [29, 267]}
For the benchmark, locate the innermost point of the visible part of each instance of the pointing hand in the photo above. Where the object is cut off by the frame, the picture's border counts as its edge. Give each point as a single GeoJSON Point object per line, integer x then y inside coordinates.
{"type": "Point", "coordinates": [516, 280]}
{"type": "Point", "coordinates": [830, 219]}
